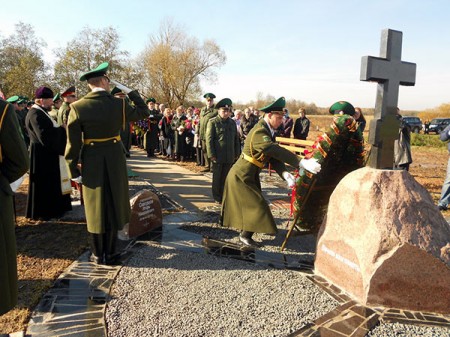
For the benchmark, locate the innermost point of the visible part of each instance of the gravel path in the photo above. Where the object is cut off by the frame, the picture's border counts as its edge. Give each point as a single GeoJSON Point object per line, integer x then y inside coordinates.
{"type": "Point", "coordinates": [166, 292]}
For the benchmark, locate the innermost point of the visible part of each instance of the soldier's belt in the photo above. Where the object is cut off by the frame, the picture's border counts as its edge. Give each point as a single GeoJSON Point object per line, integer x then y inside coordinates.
{"type": "Point", "coordinates": [100, 140]}
{"type": "Point", "coordinates": [253, 161]}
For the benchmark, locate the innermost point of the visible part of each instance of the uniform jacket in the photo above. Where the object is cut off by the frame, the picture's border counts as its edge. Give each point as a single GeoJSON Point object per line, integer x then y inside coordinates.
{"type": "Point", "coordinates": [244, 206]}
{"type": "Point", "coordinates": [13, 165]}
{"type": "Point", "coordinates": [99, 115]}
{"type": "Point", "coordinates": [205, 115]}
{"type": "Point", "coordinates": [222, 140]}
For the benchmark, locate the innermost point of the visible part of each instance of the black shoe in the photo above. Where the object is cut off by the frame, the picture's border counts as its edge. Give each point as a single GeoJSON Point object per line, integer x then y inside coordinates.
{"type": "Point", "coordinates": [113, 260]}
{"type": "Point", "coordinates": [442, 208]}
{"type": "Point", "coordinates": [205, 170]}
{"type": "Point", "coordinates": [249, 242]}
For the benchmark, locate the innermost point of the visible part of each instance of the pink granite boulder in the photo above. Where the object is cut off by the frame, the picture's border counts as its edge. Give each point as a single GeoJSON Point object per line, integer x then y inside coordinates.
{"type": "Point", "coordinates": [385, 242]}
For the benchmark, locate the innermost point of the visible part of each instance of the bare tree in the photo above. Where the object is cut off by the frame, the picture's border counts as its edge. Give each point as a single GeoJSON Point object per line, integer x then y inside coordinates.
{"type": "Point", "coordinates": [174, 64]}
{"type": "Point", "coordinates": [90, 48]}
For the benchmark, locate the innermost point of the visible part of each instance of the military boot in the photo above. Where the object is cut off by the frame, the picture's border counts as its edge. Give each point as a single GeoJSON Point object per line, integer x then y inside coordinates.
{"type": "Point", "coordinates": [96, 245]}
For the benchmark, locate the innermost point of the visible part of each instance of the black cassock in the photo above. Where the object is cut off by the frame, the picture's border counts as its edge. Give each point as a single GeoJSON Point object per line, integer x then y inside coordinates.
{"type": "Point", "coordinates": [47, 143]}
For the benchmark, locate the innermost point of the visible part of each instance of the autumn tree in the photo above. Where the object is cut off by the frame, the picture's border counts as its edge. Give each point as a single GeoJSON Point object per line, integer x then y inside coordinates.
{"type": "Point", "coordinates": [174, 63]}
{"type": "Point", "coordinates": [22, 67]}
{"type": "Point", "coordinates": [85, 52]}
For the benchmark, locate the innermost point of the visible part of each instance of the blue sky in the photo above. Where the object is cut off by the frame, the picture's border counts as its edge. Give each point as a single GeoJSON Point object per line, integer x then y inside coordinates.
{"type": "Point", "coordinates": [306, 50]}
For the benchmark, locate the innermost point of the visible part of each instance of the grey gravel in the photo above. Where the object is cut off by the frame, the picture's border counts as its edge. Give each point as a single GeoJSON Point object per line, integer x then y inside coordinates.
{"type": "Point", "coordinates": [404, 330]}
{"type": "Point", "coordinates": [167, 292]}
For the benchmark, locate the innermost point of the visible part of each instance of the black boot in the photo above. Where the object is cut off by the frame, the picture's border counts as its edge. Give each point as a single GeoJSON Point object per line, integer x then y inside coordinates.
{"type": "Point", "coordinates": [111, 257]}
{"type": "Point", "coordinates": [96, 245]}
{"type": "Point", "coordinates": [246, 238]}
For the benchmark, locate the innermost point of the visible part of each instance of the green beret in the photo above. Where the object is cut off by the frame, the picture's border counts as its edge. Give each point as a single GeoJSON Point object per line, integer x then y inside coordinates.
{"type": "Point", "coordinates": [151, 99]}
{"type": "Point", "coordinates": [224, 103]}
{"type": "Point", "coordinates": [343, 106]}
{"type": "Point", "coordinates": [57, 97]}
{"type": "Point", "coordinates": [99, 71]}
{"type": "Point", "coordinates": [209, 95]}
{"type": "Point", "coordinates": [116, 90]}
{"type": "Point", "coordinates": [13, 99]}
{"type": "Point", "coordinates": [276, 107]}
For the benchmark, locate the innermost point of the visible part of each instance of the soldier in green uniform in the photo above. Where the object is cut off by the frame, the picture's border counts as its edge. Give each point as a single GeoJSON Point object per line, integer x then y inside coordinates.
{"type": "Point", "coordinates": [57, 102]}
{"type": "Point", "coordinates": [93, 141]}
{"type": "Point", "coordinates": [14, 164]}
{"type": "Point", "coordinates": [125, 133]}
{"type": "Point", "coordinates": [14, 100]}
{"type": "Point", "coordinates": [206, 114]}
{"type": "Point", "coordinates": [244, 206]}
{"type": "Point", "coordinates": [223, 146]}
{"type": "Point", "coordinates": [151, 137]}
{"type": "Point", "coordinates": [69, 96]}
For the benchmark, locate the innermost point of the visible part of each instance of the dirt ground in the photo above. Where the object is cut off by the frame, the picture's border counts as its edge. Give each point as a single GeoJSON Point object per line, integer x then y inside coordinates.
{"type": "Point", "coordinates": [45, 249]}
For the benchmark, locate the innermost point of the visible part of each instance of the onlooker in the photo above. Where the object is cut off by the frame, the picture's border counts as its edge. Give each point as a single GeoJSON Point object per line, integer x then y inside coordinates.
{"type": "Point", "coordinates": [445, 194]}
{"type": "Point", "coordinates": [93, 140]}
{"type": "Point", "coordinates": [179, 131]}
{"type": "Point", "coordinates": [14, 164]}
{"type": "Point", "coordinates": [402, 146]}
{"type": "Point", "coordinates": [301, 127]}
{"type": "Point", "coordinates": [47, 143]}
{"type": "Point", "coordinates": [197, 143]}
{"type": "Point", "coordinates": [223, 146]}
{"type": "Point", "coordinates": [14, 100]}
{"type": "Point", "coordinates": [248, 121]}
{"type": "Point", "coordinates": [287, 124]}
{"type": "Point", "coordinates": [167, 132]}
{"type": "Point", "coordinates": [359, 118]}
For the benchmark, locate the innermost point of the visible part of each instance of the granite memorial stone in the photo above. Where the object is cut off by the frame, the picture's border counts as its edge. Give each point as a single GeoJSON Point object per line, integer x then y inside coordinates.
{"type": "Point", "coordinates": [385, 243]}
{"type": "Point", "coordinates": [146, 214]}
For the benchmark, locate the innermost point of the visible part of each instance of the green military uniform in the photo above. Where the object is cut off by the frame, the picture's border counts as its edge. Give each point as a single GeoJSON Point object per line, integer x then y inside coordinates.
{"type": "Point", "coordinates": [14, 163]}
{"type": "Point", "coordinates": [224, 146]}
{"type": "Point", "coordinates": [93, 139]}
{"type": "Point", "coordinates": [63, 113]}
{"type": "Point", "coordinates": [244, 206]}
{"type": "Point", "coordinates": [205, 115]}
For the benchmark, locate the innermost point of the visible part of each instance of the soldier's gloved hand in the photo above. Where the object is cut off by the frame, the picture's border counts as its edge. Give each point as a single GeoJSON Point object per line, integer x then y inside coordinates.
{"type": "Point", "coordinates": [77, 180]}
{"type": "Point", "coordinates": [310, 165]}
{"type": "Point", "coordinates": [121, 87]}
{"type": "Point", "coordinates": [289, 179]}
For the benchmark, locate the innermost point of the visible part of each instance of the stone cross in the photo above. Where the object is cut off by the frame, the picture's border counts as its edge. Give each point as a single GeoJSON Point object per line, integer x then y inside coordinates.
{"type": "Point", "coordinates": [390, 72]}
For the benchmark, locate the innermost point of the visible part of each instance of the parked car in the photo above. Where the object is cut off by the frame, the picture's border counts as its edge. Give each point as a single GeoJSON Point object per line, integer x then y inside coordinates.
{"type": "Point", "coordinates": [438, 124]}
{"type": "Point", "coordinates": [414, 122]}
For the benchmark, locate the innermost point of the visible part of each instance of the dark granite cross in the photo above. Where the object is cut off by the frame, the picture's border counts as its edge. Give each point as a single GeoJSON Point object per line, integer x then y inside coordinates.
{"type": "Point", "coordinates": [390, 72]}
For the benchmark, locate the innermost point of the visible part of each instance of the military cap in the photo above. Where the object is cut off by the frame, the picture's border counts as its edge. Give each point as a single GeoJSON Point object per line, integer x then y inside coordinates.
{"type": "Point", "coordinates": [150, 99]}
{"type": "Point", "coordinates": [224, 103]}
{"type": "Point", "coordinates": [68, 92]}
{"type": "Point", "coordinates": [209, 95]}
{"type": "Point", "coordinates": [13, 99]}
{"type": "Point", "coordinates": [57, 97]}
{"type": "Point", "coordinates": [44, 92]}
{"type": "Point", "coordinates": [275, 107]}
{"type": "Point", "coordinates": [99, 71]}
{"type": "Point", "coordinates": [116, 90]}
{"type": "Point", "coordinates": [343, 106]}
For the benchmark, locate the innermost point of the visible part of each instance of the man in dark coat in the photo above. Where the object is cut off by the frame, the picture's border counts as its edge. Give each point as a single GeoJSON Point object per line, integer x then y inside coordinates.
{"type": "Point", "coordinates": [14, 164]}
{"type": "Point", "coordinates": [301, 127]}
{"type": "Point", "coordinates": [402, 145]}
{"type": "Point", "coordinates": [46, 199]}
{"type": "Point", "coordinates": [206, 114]}
{"type": "Point", "coordinates": [244, 206]}
{"type": "Point", "coordinates": [288, 124]}
{"type": "Point", "coordinates": [223, 145]}
{"type": "Point", "coordinates": [152, 134]}
{"type": "Point", "coordinates": [93, 141]}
